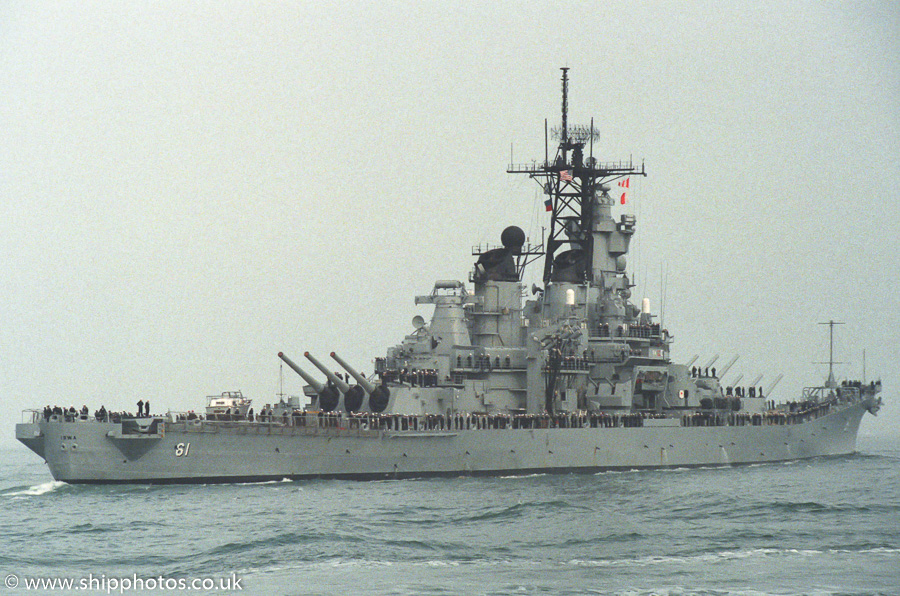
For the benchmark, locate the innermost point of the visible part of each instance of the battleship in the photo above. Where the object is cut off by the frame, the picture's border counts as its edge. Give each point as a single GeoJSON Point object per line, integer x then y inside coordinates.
{"type": "Point", "coordinates": [569, 376]}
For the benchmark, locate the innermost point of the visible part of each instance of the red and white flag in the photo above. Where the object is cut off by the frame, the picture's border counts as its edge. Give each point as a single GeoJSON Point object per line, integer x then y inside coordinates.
{"type": "Point", "coordinates": [565, 175]}
{"type": "Point", "coordinates": [624, 183]}
{"type": "Point", "coordinates": [623, 197]}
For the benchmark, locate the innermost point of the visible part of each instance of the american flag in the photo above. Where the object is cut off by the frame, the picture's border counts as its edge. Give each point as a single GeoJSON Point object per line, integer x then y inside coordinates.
{"type": "Point", "coordinates": [565, 175]}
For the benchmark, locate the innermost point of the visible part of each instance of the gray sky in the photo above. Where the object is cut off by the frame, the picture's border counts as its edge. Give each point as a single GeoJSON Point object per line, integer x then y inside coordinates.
{"type": "Point", "coordinates": [187, 189]}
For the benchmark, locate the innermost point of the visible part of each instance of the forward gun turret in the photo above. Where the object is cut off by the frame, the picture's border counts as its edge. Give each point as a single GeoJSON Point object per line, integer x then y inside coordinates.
{"type": "Point", "coordinates": [379, 395]}
{"type": "Point", "coordinates": [353, 396]}
{"type": "Point", "coordinates": [328, 397]}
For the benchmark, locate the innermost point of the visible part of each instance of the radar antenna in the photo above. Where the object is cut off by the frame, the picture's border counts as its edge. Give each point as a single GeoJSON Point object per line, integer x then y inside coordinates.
{"type": "Point", "coordinates": [565, 104]}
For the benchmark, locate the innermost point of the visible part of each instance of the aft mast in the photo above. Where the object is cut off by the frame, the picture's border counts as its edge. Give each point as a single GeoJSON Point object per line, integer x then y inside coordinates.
{"type": "Point", "coordinates": [831, 383]}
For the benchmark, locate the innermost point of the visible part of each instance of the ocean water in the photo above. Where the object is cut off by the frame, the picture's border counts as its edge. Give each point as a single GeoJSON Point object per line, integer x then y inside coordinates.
{"type": "Point", "coordinates": [824, 526]}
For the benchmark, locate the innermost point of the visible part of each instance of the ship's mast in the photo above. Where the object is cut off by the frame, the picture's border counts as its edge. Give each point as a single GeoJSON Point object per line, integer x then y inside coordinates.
{"type": "Point", "coordinates": [565, 105]}
{"type": "Point", "coordinates": [587, 291]}
{"type": "Point", "coordinates": [280, 383]}
{"type": "Point", "coordinates": [830, 383]}
{"type": "Point", "coordinates": [572, 183]}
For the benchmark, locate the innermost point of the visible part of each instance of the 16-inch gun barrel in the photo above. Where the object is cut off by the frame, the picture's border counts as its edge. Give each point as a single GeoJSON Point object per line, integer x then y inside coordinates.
{"type": "Point", "coordinates": [319, 387]}
{"type": "Point", "coordinates": [337, 382]}
{"type": "Point", "coordinates": [379, 395]}
{"type": "Point", "coordinates": [363, 382]}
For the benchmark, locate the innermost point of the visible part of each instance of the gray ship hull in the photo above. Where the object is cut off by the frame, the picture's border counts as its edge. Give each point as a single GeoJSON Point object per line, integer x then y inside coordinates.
{"type": "Point", "coordinates": [212, 452]}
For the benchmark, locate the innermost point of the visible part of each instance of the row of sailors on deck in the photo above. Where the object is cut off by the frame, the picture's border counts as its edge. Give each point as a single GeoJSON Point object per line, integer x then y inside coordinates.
{"type": "Point", "coordinates": [495, 421]}
{"type": "Point", "coordinates": [440, 422]}
{"type": "Point", "coordinates": [697, 372]}
{"type": "Point", "coordinates": [234, 415]}
{"type": "Point", "coordinates": [743, 392]}
{"type": "Point", "coordinates": [69, 415]}
{"type": "Point", "coordinates": [798, 413]}
{"type": "Point", "coordinates": [231, 414]}
{"type": "Point", "coordinates": [860, 384]}
{"type": "Point", "coordinates": [101, 415]}
{"type": "Point", "coordinates": [801, 413]}
{"type": "Point", "coordinates": [431, 422]}
{"type": "Point", "coordinates": [852, 389]}
{"type": "Point", "coordinates": [425, 377]}
{"type": "Point", "coordinates": [633, 330]}
{"type": "Point", "coordinates": [482, 361]}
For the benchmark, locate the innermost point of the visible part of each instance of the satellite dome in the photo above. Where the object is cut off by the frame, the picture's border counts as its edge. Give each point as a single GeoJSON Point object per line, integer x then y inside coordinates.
{"type": "Point", "coordinates": [512, 237]}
